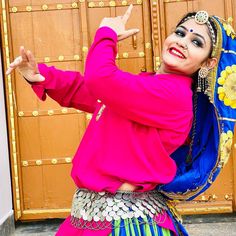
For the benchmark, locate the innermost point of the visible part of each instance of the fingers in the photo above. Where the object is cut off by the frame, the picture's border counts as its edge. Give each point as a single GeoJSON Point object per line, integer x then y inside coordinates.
{"type": "Point", "coordinates": [127, 14]}
{"type": "Point", "coordinates": [17, 61]}
{"type": "Point", "coordinates": [32, 60]}
{"type": "Point", "coordinates": [9, 70]}
{"type": "Point", "coordinates": [23, 54]}
{"type": "Point", "coordinates": [14, 64]}
{"type": "Point", "coordinates": [38, 78]}
{"type": "Point", "coordinates": [27, 66]}
{"type": "Point", "coordinates": [127, 34]}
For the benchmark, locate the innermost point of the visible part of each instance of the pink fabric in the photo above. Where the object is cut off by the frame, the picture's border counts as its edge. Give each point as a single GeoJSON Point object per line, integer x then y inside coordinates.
{"type": "Point", "coordinates": [65, 87]}
{"type": "Point", "coordinates": [66, 229]}
{"type": "Point", "coordinates": [147, 117]}
{"type": "Point", "coordinates": [165, 221]}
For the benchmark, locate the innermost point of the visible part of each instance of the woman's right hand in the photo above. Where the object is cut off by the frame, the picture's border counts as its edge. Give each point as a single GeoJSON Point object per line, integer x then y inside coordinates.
{"type": "Point", "coordinates": [118, 24]}
{"type": "Point", "coordinates": [27, 66]}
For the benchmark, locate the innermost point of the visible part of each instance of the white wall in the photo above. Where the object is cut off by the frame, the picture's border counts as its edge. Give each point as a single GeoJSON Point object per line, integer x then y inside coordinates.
{"type": "Point", "coordinates": [5, 181]}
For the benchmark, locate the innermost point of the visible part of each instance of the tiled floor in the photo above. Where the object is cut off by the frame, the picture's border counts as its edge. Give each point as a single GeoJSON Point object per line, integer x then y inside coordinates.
{"type": "Point", "coordinates": [38, 228]}
{"type": "Point", "coordinates": [211, 225]}
{"type": "Point", "coordinates": [203, 225]}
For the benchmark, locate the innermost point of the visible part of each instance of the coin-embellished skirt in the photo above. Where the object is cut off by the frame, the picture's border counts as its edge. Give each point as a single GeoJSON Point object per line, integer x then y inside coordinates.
{"type": "Point", "coordinates": [120, 214]}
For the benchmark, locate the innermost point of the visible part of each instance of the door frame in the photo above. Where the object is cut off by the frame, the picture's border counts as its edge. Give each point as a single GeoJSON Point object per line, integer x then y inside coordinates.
{"type": "Point", "coordinates": [11, 111]}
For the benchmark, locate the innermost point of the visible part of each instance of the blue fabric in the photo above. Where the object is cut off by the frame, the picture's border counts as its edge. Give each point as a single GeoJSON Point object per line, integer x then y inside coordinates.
{"type": "Point", "coordinates": [178, 225]}
{"type": "Point", "coordinates": [144, 229]}
{"type": "Point", "coordinates": [197, 171]}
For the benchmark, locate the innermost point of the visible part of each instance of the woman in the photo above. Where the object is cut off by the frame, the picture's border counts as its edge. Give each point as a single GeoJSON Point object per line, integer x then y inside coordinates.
{"type": "Point", "coordinates": [131, 155]}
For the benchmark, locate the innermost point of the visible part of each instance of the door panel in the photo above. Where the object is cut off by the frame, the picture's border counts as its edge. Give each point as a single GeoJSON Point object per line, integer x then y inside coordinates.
{"type": "Point", "coordinates": [59, 34]}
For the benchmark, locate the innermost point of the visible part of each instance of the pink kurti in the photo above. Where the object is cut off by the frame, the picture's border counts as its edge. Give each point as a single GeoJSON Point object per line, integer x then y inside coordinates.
{"type": "Point", "coordinates": [146, 118]}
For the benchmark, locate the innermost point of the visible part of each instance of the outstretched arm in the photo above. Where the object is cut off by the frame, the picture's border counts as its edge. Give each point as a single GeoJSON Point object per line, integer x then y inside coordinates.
{"type": "Point", "coordinates": [68, 88]}
{"type": "Point", "coordinates": [65, 87]}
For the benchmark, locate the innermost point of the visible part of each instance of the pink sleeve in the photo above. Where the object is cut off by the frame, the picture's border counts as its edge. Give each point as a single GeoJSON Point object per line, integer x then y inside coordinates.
{"type": "Point", "coordinates": [151, 100]}
{"type": "Point", "coordinates": [66, 87]}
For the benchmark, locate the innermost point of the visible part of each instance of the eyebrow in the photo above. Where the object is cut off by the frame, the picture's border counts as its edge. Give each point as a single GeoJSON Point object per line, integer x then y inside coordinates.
{"type": "Point", "coordinates": [199, 35]}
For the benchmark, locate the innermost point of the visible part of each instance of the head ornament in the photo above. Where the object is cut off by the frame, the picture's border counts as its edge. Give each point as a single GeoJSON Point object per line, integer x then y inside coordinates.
{"type": "Point", "coordinates": [200, 161]}
{"type": "Point", "coordinates": [202, 18]}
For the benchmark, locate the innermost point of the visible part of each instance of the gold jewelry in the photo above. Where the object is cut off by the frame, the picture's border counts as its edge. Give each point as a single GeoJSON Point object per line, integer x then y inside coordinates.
{"type": "Point", "coordinates": [201, 17]}
{"type": "Point", "coordinates": [203, 72]}
{"type": "Point", "coordinates": [202, 79]}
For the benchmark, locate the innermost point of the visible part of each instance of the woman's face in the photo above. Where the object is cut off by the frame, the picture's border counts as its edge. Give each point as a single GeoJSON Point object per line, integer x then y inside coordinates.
{"type": "Point", "coordinates": [186, 49]}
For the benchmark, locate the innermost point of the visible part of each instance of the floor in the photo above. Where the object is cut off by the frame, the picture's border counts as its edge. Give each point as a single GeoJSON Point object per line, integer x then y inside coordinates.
{"type": "Point", "coordinates": [202, 225]}
{"type": "Point", "coordinates": [37, 228]}
{"type": "Point", "coordinates": [211, 225]}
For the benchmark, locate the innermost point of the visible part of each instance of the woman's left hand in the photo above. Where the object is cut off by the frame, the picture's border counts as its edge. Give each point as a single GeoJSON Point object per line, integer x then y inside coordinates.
{"type": "Point", "coordinates": [118, 24]}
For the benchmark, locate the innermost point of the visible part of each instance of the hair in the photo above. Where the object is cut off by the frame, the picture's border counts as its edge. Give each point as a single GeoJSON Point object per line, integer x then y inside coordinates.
{"type": "Point", "coordinates": [191, 14]}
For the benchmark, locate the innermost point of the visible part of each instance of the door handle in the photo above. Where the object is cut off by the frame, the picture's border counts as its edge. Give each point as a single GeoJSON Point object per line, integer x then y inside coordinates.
{"type": "Point", "coordinates": [134, 41]}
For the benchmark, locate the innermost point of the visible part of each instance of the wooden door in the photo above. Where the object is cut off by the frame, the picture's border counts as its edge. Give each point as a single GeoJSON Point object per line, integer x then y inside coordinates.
{"type": "Point", "coordinates": [165, 15]}
{"type": "Point", "coordinates": [43, 135]}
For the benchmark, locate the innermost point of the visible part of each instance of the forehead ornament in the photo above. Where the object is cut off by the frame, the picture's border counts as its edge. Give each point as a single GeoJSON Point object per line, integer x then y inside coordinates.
{"type": "Point", "coordinates": [201, 17]}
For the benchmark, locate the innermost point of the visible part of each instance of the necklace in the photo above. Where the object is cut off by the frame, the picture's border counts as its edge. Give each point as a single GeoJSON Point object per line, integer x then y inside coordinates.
{"type": "Point", "coordinates": [189, 156]}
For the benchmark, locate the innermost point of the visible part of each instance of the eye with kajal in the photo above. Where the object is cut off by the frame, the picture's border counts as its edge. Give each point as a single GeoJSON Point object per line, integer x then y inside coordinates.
{"type": "Point", "coordinates": [198, 43]}
{"type": "Point", "coordinates": [195, 41]}
{"type": "Point", "coordinates": [180, 32]}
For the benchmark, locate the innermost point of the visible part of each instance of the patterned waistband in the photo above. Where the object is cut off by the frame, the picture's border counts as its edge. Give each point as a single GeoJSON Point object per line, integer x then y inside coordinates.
{"type": "Point", "coordinates": [103, 208]}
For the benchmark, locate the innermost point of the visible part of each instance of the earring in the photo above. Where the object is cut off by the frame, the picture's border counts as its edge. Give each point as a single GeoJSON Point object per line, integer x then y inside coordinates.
{"type": "Point", "coordinates": [202, 79]}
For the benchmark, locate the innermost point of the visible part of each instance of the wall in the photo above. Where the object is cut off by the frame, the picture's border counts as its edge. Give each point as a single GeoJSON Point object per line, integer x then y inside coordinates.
{"type": "Point", "coordinates": [6, 212]}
